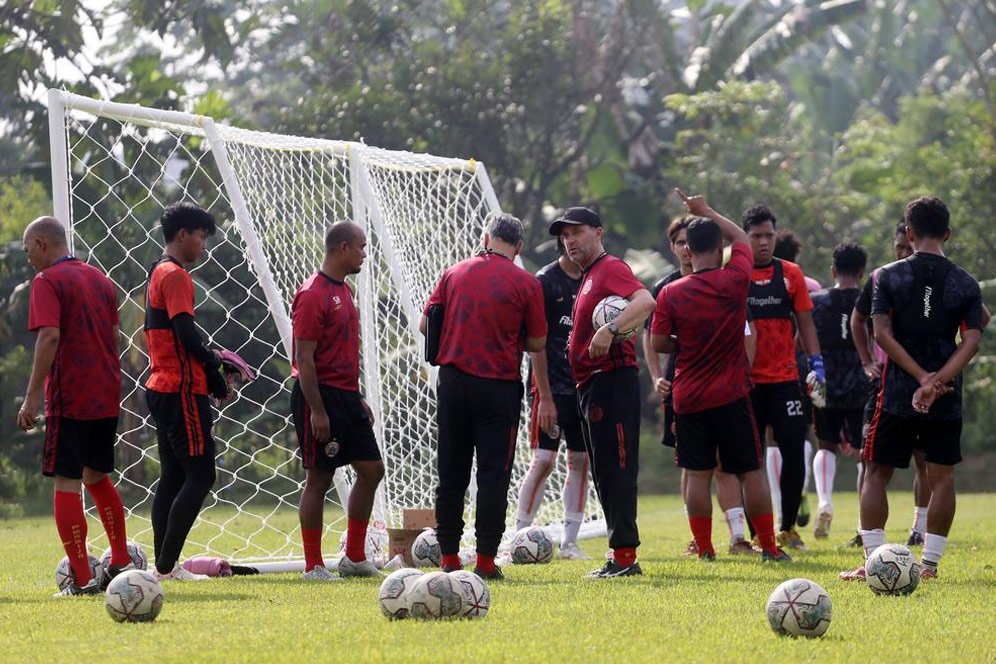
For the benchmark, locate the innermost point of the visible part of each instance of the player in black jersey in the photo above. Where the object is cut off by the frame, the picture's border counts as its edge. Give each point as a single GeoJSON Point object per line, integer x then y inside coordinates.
{"type": "Point", "coordinates": [918, 307]}
{"type": "Point", "coordinates": [553, 408]}
{"type": "Point", "coordinates": [728, 490]}
{"type": "Point", "coordinates": [840, 417]}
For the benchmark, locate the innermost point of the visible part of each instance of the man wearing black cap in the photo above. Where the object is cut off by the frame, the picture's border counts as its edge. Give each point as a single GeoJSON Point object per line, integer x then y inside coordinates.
{"type": "Point", "coordinates": [492, 310]}
{"type": "Point", "coordinates": [603, 363]}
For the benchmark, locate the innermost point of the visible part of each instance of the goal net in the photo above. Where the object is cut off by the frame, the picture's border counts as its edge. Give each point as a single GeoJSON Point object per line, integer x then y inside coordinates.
{"type": "Point", "coordinates": [116, 166]}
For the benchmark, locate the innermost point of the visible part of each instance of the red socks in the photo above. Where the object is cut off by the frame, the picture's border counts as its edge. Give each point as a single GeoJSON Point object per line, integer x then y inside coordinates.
{"type": "Point", "coordinates": [451, 561]}
{"type": "Point", "coordinates": [71, 523]}
{"type": "Point", "coordinates": [356, 535]}
{"type": "Point", "coordinates": [624, 556]}
{"type": "Point", "coordinates": [312, 539]}
{"type": "Point", "coordinates": [702, 532]}
{"type": "Point", "coordinates": [765, 526]}
{"type": "Point", "coordinates": [112, 515]}
{"type": "Point", "coordinates": [485, 564]}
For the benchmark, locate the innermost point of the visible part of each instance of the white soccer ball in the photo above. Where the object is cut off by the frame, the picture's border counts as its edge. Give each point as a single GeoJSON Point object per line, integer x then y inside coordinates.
{"type": "Point", "coordinates": [135, 551]}
{"type": "Point", "coordinates": [425, 549]}
{"type": "Point", "coordinates": [891, 569]}
{"type": "Point", "coordinates": [436, 595]}
{"type": "Point", "coordinates": [531, 545]}
{"type": "Point", "coordinates": [396, 592]}
{"type": "Point", "coordinates": [607, 311]}
{"type": "Point", "coordinates": [474, 593]}
{"type": "Point", "coordinates": [375, 544]}
{"type": "Point", "coordinates": [64, 571]}
{"type": "Point", "coordinates": [134, 596]}
{"type": "Point", "coordinates": [800, 607]}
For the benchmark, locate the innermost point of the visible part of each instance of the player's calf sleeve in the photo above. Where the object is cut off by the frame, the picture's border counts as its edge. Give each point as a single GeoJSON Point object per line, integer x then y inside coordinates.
{"type": "Point", "coordinates": [824, 469]}
{"type": "Point", "coordinates": [773, 466]}
{"type": "Point", "coordinates": [534, 486]}
{"type": "Point", "coordinates": [872, 539]}
{"type": "Point", "coordinates": [807, 450]}
{"type": "Point", "coordinates": [312, 540]}
{"type": "Point", "coordinates": [575, 494]}
{"type": "Point", "coordinates": [71, 524]}
{"type": "Point", "coordinates": [111, 509]}
{"type": "Point", "coordinates": [735, 518]}
{"type": "Point", "coordinates": [356, 535]}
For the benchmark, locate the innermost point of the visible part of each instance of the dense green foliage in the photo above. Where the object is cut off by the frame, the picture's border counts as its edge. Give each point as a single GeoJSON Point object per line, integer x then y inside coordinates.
{"type": "Point", "coordinates": [834, 113]}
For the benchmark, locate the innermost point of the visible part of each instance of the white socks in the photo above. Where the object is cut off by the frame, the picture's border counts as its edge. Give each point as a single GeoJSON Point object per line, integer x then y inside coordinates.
{"type": "Point", "coordinates": [933, 548]}
{"type": "Point", "coordinates": [872, 539]}
{"type": "Point", "coordinates": [920, 519]}
{"type": "Point", "coordinates": [861, 481]}
{"type": "Point", "coordinates": [533, 486]}
{"type": "Point", "coordinates": [735, 520]}
{"type": "Point", "coordinates": [575, 494]}
{"type": "Point", "coordinates": [824, 469]}
{"type": "Point", "coordinates": [807, 450]}
{"type": "Point", "coordinates": [773, 464]}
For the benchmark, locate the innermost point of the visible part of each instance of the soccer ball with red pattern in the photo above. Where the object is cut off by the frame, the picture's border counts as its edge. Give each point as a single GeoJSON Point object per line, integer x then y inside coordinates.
{"type": "Point", "coordinates": [474, 593]}
{"type": "Point", "coordinates": [64, 571]}
{"type": "Point", "coordinates": [892, 569]}
{"type": "Point", "coordinates": [800, 607]}
{"type": "Point", "coordinates": [607, 311]}
{"type": "Point", "coordinates": [134, 596]}
{"type": "Point", "coordinates": [531, 545]}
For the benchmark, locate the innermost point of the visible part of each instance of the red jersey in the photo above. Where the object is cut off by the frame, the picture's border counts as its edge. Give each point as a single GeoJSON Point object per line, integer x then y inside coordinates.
{"type": "Point", "coordinates": [170, 293]}
{"type": "Point", "coordinates": [607, 276]}
{"type": "Point", "coordinates": [324, 311]}
{"type": "Point", "coordinates": [84, 382]}
{"type": "Point", "coordinates": [489, 305]}
{"type": "Point", "coordinates": [707, 311]}
{"type": "Point", "coordinates": [775, 359]}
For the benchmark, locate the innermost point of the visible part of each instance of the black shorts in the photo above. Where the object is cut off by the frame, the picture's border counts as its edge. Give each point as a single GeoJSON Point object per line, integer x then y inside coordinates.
{"type": "Point", "coordinates": [71, 445]}
{"type": "Point", "coordinates": [892, 438]}
{"type": "Point", "coordinates": [780, 406]}
{"type": "Point", "coordinates": [568, 419]}
{"type": "Point", "coordinates": [183, 422]}
{"type": "Point", "coordinates": [728, 429]}
{"type": "Point", "coordinates": [352, 433]}
{"type": "Point", "coordinates": [835, 425]}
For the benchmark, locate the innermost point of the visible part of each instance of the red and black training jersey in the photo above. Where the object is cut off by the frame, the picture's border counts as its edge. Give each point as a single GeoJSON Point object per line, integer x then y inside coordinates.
{"type": "Point", "coordinates": [607, 276]}
{"type": "Point", "coordinates": [84, 382]}
{"type": "Point", "coordinates": [170, 293]}
{"type": "Point", "coordinates": [324, 311]}
{"type": "Point", "coordinates": [929, 299]}
{"type": "Point", "coordinates": [707, 312]}
{"type": "Point", "coordinates": [772, 306]}
{"type": "Point", "coordinates": [489, 306]}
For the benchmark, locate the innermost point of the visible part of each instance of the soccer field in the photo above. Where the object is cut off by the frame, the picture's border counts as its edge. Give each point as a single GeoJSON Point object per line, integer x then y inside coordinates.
{"type": "Point", "coordinates": [680, 610]}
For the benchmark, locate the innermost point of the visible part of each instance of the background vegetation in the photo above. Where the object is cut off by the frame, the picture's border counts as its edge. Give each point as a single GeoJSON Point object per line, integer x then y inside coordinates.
{"type": "Point", "coordinates": [835, 113]}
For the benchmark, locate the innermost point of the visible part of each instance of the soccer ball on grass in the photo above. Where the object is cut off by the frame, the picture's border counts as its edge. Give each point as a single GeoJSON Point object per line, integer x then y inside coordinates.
{"type": "Point", "coordinates": [134, 596]}
{"type": "Point", "coordinates": [395, 595]}
{"type": "Point", "coordinates": [892, 569]}
{"type": "Point", "coordinates": [425, 549]}
{"type": "Point", "coordinates": [436, 595]}
{"type": "Point", "coordinates": [531, 545]}
{"type": "Point", "coordinates": [799, 607]}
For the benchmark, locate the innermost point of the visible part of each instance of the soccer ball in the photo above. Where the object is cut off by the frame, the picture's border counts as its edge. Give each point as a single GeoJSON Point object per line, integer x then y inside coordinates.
{"type": "Point", "coordinates": [606, 311]}
{"type": "Point", "coordinates": [799, 607]}
{"type": "Point", "coordinates": [396, 592]}
{"type": "Point", "coordinates": [425, 549]}
{"type": "Point", "coordinates": [891, 569]}
{"type": "Point", "coordinates": [531, 545]}
{"type": "Point", "coordinates": [135, 551]}
{"type": "Point", "coordinates": [474, 593]}
{"type": "Point", "coordinates": [375, 544]}
{"type": "Point", "coordinates": [436, 595]}
{"type": "Point", "coordinates": [64, 571]}
{"type": "Point", "coordinates": [134, 596]}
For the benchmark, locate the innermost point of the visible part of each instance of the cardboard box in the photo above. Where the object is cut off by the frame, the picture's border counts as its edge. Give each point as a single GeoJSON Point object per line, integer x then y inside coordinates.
{"type": "Point", "coordinates": [400, 540]}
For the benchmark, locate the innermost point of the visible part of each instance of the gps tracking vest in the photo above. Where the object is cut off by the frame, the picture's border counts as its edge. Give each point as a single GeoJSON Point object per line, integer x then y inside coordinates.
{"type": "Point", "coordinates": [924, 317]}
{"type": "Point", "coordinates": [770, 300]}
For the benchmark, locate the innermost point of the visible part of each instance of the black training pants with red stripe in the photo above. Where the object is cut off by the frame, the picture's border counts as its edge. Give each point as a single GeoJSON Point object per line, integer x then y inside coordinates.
{"type": "Point", "coordinates": [610, 413]}
{"type": "Point", "coordinates": [479, 415]}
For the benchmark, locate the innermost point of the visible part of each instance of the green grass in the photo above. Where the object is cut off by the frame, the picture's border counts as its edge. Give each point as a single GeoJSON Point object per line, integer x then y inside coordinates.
{"type": "Point", "coordinates": [679, 610]}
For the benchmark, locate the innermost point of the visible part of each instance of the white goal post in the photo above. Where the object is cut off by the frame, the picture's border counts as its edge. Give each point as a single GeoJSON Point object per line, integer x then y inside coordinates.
{"type": "Point", "coordinates": [116, 166]}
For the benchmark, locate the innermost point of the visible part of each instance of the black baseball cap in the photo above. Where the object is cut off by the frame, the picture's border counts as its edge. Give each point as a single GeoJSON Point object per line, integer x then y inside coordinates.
{"type": "Point", "coordinates": [575, 216]}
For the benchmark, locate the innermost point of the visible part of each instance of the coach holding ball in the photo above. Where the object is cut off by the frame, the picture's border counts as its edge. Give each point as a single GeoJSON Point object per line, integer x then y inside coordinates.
{"type": "Point", "coordinates": [603, 362]}
{"type": "Point", "coordinates": [483, 313]}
